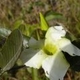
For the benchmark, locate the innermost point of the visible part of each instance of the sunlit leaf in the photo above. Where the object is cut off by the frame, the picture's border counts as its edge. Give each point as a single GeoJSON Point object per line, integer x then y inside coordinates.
{"type": "Point", "coordinates": [17, 24]}
{"type": "Point", "coordinates": [10, 50]}
{"type": "Point", "coordinates": [44, 24]}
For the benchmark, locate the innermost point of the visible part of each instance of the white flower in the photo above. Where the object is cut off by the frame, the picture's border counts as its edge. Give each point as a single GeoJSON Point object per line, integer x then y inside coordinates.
{"type": "Point", "coordinates": [50, 56]}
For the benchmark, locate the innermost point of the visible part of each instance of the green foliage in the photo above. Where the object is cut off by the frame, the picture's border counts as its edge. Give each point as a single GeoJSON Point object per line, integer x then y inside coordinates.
{"type": "Point", "coordinates": [12, 47]}
{"type": "Point", "coordinates": [44, 25]}
{"type": "Point", "coordinates": [10, 50]}
{"type": "Point", "coordinates": [17, 24]}
{"type": "Point", "coordinates": [49, 15]}
{"type": "Point", "coordinates": [21, 14]}
{"type": "Point", "coordinates": [26, 29]}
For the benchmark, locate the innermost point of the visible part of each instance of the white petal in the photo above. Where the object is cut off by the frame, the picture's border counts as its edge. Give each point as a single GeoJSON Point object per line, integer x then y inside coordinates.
{"type": "Point", "coordinates": [72, 50]}
{"type": "Point", "coordinates": [63, 42]}
{"type": "Point", "coordinates": [27, 54]}
{"type": "Point", "coordinates": [65, 45]}
{"type": "Point", "coordinates": [55, 66]}
{"type": "Point", "coordinates": [56, 33]}
{"type": "Point", "coordinates": [36, 44]}
{"type": "Point", "coordinates": [36, 60]}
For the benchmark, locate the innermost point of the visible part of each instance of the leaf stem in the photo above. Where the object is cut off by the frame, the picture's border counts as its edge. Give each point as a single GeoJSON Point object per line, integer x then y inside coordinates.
{"type": "Point", "coordinates": [35, 74]}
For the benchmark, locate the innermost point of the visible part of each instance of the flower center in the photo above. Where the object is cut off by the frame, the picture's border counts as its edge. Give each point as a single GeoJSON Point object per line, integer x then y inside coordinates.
{"type": "Point", "coordinates": [50, 49]}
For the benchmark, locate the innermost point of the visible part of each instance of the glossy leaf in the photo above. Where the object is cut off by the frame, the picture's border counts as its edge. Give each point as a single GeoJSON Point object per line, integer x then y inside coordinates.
{"type": "Point", "coordinates": [10, 50]}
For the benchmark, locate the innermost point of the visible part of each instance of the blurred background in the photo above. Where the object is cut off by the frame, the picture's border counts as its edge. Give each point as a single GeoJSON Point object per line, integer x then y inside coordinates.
{"type": "Point", "coordinates": [15, 13]}
{"type": "Point", "coordinates": [28, 11]}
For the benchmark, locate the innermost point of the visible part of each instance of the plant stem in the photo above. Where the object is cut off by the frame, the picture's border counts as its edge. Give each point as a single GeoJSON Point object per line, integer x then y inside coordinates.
{"type": "Point", "coordinates": [35, 74]}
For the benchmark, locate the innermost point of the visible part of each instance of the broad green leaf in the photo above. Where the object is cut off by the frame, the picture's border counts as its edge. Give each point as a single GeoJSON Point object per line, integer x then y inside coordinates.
{"type": "Point", "coordinates": [10, 50]}
{"type": "Point", "coordinates": [4, 33]}
{"type": "Point", "coordinates": [55, 66]}
{"type": "Point", "coordinates": [52, 15]}
{"type": "Point", "coordinates": [44, 24]}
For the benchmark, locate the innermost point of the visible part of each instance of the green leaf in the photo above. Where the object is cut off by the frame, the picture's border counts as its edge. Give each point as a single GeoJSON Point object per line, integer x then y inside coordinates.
{"type": "Point", "coordinates": [17, 24]}
{"type": "Point", "coordinates": [10, 50]}
{"type": "Point", "coordinates": [44, 25]}
{"type": "Point", "coordinates": [52, 15]}
{"type": "Point", "coordinates": [28, 29]}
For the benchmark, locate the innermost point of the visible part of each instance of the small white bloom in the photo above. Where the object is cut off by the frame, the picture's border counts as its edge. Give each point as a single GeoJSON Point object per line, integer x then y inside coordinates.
{"type": "Point", "coordinates": [50, 56]}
